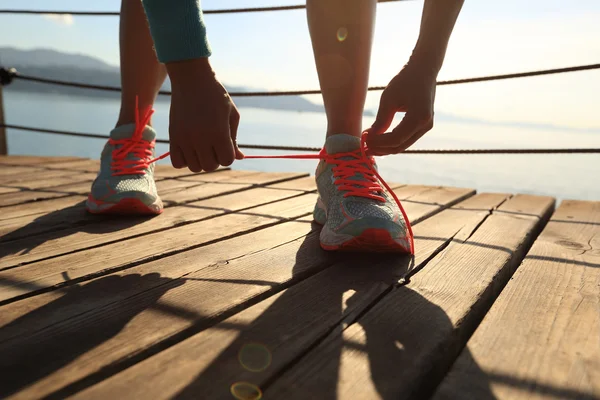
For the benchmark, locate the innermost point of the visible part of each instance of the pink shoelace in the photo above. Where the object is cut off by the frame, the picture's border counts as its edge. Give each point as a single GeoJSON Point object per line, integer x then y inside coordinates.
{"type": "Point", "coordinates": [345, 166]}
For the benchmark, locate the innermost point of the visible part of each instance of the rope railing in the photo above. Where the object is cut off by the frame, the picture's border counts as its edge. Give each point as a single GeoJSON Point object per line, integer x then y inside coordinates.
{"type": "Point", "coordinates": [8, 75]}
{"type": "Point", "coordinates": [316, 149]}
{"type": "Point", "coordinates": [214, 11]}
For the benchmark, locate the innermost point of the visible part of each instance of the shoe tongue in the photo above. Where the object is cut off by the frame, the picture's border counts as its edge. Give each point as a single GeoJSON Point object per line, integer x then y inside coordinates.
{"type": "Point", "coordinates": [126, 132]}
{"type": "Point", "coordinates": [342, 143]}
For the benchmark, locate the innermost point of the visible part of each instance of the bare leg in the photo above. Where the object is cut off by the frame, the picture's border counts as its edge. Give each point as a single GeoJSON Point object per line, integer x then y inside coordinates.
{"type": "Point", "coordinates": [141, 73]}
{"type": "Point", "coordinates": [342, 36]}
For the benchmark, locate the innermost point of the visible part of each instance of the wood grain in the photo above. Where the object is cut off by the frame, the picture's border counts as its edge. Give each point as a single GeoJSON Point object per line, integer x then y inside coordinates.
{"type": "Point", "coordinates": [28, 196]}
{"type": "Point", "coordinates": [283, 326]}
{"type": "Point", "coordinates": [47, 182]}
{"type": "Point", "coordinates": [167, 171]}
{"type": "Point", "coordinates": [306, 184]}
{"type": "Point", "coordinates": [74, 213]}
{"type": "Point", "coordinates": [8, 171]}
{"type": "Point", "coordinates": [403, 346]}
{"type": "Point", "coordinates": [222, 287]}
{"type": "Point", "coordinates": [64, 190]}
{"type": "Point", "coordinates": [35, 160]}
{"type": "Point", "coordinates": [235, 184]}
{"type": "Point", "coordinates": [8, 189]}
{"type": "Point", "coordinates": [32, 174]}
{"type": "Point", "coordinates": [81, 166]}
{"type": "Point", "coordinates": [38, 208]}
{"type": "Point", "coordinates": [30, 278]}
{"type": "Point", "coordinates": [106, 231]}
{"type": "Point", "coordinates": [540, 340]}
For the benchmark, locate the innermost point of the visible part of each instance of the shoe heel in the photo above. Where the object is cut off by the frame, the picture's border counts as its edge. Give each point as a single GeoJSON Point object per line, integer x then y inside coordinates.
{"type": "Point", "coordinates": [319, 214]}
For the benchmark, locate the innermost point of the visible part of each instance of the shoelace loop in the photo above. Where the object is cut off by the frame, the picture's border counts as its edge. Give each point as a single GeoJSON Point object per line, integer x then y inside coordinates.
{"type": "Point", "coordinates": [138, 147]}
{"type": "Point", "coordinates": [360, 162]}
{"type": "Point", "coordinates": [347, 166]}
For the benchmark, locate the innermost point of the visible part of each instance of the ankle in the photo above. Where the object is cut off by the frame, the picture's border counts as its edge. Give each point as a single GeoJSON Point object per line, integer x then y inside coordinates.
{"type": "Point", "coordinates": [128, 113]}
{"type": "Point", "coordinates": [346, 127]}
{"type": "Point", "coordinates": [356, 133]}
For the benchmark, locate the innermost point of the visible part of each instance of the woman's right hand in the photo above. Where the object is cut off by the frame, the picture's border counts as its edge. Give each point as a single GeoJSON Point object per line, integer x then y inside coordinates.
{"type": "Point", "coordinates": [203, 121]}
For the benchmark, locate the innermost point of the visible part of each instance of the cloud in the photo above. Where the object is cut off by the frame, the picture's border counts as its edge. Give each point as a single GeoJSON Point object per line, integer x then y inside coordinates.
{"type": "Point", "coordinates": [62, 19]}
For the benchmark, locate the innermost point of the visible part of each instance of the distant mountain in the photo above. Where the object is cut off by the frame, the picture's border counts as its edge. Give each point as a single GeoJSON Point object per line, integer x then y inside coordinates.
{"type": "Point", "coordinates": [10, 56]}
{"type": "Point", "coordinates": [85, 69]}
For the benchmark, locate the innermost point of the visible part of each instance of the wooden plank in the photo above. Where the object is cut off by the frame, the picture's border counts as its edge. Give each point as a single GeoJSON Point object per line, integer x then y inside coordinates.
{"type": "Point", "coordinates": [117, 308]}
{"type": "Point", "coordinates": [206, 295]}
{"type": "Point", "coordinates": [236, 184]}
{"type": "Point", "coordinates": [206, 259]}
{"type": "Point", "coordinates": [35, 160]}
{"type": "Point", "coordinates": [161, 171]}
{"type": "Point", "coordinates": [28, 196]}
{"type": "Point", "coordinates": [31, 278]}
{"type": "Point", "coordinates": [29, 175]}
{"type": "Point", "coordinates": [167, 171]}
{"type": "Point", "coordinates": [8, 189]}
{"type": "Point", "coordinates": [256, 178]}
{"type": "Point", "coordinates": [52, 244]}
{"type": "Point", "coordinates": [306, 184]}
{"type": "Point", "coordinates": [171, 185]}
{"type": "Point", "coordinates": [540, 339]}
{"type": "Point", "coordinates": [215, 177]}
{"type": "Point", "coordinates": [74, 211]}
{"type": "Point", "coordinates": [253, 178]}
{"type": "Point", "coordinates": [80, 166]}
{"type": "Point", "coordinates": [104, 231]}
{"type": "Point", "coordinates": [402, 347]}
{"type": "Point", "coordinates": [65, 179]}
{"type": "Point", "coordinates": [54, 192]}
{"type": "Point", "coordinates": [429, 201]}
{"type": "Point", "coordinates": [84, 188]}
{"type": "Point", "coordinates": [38, 208]}
{"type": "Point", "coordinates": [10, 170]}
{"type": "Point", "coordinates": [285, 325]}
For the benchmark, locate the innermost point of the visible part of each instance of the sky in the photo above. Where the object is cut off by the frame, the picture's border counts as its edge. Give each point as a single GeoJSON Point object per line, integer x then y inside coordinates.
{"type": "Point", "coordinates": [272, 51]}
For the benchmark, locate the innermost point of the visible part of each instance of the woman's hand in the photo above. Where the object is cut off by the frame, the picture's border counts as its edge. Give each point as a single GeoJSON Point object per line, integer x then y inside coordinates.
{"type": "Point", "coordinates": [411, 91]}
{"type": "Point", "coordinates": [203, 121]}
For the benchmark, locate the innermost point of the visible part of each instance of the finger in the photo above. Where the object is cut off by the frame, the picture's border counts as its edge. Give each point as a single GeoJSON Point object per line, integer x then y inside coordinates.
{"type": "Point", "coordinates": [177, 158]}
{"type": "Point", "coordinates": [239, 155]}
{"type": "Point", "coordinates": [192, 160]}
{"type": "Point", "coordinates": [413, 139]}
{"type": "Point", "coordinates": [407, 127]}
{"type": "Point", "coordinates": [405, 145]}
{"type": "Point", "coordinates": [207, 158]}
{"type": "Point", "coordinates": [234, 123]}
{"type": "Point", "coordinates": [385, 116]}
{"type": "Point", "coordinates": [224, 153]}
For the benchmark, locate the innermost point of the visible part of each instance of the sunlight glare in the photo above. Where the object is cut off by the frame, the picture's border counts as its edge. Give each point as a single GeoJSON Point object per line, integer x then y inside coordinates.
{"type": "Point", "coordinates": [342, 34]}
{"type": "Point", "coordinates": [255, 357]}
{"type": "Point", "coordinates": [246, 391]}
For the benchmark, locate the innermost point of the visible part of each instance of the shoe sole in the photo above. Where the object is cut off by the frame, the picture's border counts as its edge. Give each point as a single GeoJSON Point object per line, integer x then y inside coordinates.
{"type": "Point", "coordinates": [128, 206]}
{"type": "Point", "coordinates": [370, 240]}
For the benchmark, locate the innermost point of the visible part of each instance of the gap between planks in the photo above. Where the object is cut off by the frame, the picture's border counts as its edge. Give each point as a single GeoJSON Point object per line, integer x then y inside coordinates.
{"type": "Point", "coordinates": [62, 213]}
{"type": "Point", "coordinates": [280, 256]}
{"type": "Point", "coordinates": [104, 232]}
{"type": "Point", "coordinates": [45, 274]}
{"type": "Point", "coordinates": [402, 346]}
{"type": "Point", "coordinates": [540, 338]}
{"type": "Point", "coordinates": [78, 188]}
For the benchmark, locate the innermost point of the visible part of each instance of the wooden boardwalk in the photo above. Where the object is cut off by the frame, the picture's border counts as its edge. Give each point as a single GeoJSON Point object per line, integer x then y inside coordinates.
{"type": "Point", "coordinates": [228, 295]}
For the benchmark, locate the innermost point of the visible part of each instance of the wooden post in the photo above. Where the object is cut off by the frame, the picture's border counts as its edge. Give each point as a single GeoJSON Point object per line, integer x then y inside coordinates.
{"type": "Point", "coordinates": [3, 144]}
